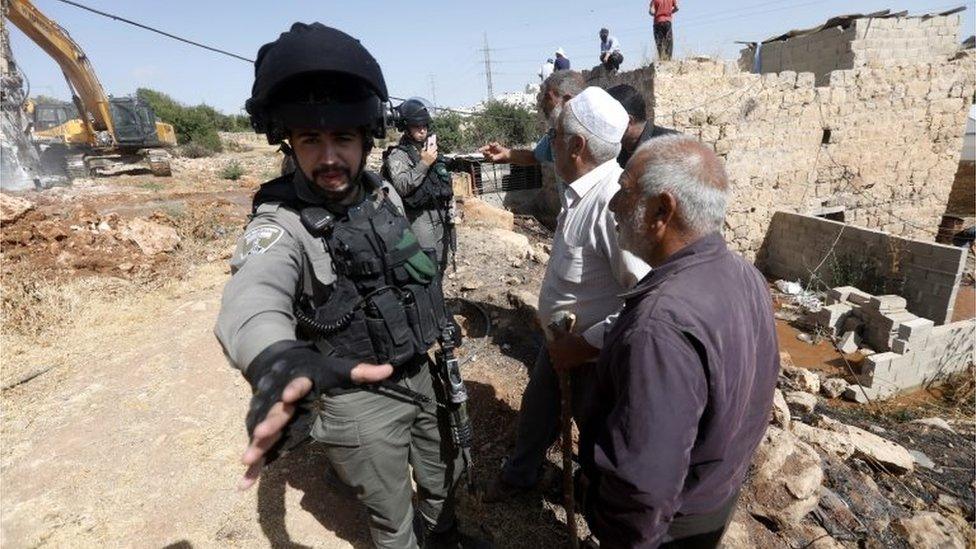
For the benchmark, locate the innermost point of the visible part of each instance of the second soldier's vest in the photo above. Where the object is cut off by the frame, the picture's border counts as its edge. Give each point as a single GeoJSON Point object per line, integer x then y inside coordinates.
{"type": "Point", "coordinates": [386, 304]}
{"type": "Point", "coordinates": [436, 190]}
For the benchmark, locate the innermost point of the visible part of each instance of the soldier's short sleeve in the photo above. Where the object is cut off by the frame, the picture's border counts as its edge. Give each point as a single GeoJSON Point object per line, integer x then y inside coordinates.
{"type": "Point", "coordinates": [257, 305]}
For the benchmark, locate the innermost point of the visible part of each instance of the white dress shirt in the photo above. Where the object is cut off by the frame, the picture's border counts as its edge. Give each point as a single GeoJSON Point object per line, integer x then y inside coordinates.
{"type": "Point", "coordinates": [587, 269]}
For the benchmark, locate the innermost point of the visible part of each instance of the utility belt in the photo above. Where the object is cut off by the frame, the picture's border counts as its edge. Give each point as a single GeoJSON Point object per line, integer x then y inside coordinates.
{"type": "Point", "coordinates": [404, 371]}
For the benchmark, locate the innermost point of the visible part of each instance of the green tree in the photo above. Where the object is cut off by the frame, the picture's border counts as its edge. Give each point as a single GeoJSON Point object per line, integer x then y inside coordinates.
{"type": "Point", "coordinates": [509, 124]}
{"type": "Point", "coordinates": [447, 126]}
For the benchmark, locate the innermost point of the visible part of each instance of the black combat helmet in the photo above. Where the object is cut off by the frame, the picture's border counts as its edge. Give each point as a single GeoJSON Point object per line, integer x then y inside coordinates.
{"type": "Point", "coordinates": [413, 112]}
{"type": "Point", "coordinates": [314, 76]}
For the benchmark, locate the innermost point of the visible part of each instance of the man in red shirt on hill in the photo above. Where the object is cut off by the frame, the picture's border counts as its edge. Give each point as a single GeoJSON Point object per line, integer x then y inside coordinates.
{"type": "Point", "coordinates": [663, 11]}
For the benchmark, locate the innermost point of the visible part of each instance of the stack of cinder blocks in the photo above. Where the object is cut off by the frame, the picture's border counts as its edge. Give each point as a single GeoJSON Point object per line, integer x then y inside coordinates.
{"type": "Point", "coordinates": [912, 351]}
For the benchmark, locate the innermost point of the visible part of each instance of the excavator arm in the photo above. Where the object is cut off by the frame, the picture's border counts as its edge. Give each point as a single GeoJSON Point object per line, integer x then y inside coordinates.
{"type": "Point", "coordinates": [89, 96]}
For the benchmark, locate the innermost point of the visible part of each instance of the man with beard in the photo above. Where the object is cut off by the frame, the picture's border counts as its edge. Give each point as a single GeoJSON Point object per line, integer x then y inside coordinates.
{"type": "Point", "coordinates": [686, 375]}
{"type": "Point", "coordinates": [332, 304]}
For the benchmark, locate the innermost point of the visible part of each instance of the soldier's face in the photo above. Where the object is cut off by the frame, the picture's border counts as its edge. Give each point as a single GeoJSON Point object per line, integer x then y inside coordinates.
{"type": "Point", "coordinates": [417, 133]}
{"type": "Point", "coordinates": [329, 158]}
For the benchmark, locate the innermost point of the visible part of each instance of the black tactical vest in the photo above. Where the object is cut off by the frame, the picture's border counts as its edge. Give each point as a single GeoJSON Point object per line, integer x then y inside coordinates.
{"type": "Point", "coordinates": [387, 304]}
{"type": "Point", "coordinates": [435, 191]}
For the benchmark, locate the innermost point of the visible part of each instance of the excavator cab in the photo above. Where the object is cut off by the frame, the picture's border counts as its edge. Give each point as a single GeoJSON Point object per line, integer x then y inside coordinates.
{"type": "Point", "coordinates": [135, 122]}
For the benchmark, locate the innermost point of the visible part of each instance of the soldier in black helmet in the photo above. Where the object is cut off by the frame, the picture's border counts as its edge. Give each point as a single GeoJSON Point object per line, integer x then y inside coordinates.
{"type": "Point", "coordinates": [422, 179]}
{"type": "Point", "coordinates": [332, 304]}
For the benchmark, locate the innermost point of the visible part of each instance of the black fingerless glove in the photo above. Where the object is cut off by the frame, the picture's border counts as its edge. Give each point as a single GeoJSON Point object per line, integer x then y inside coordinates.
{"type": "Point", "coordinates": [272, 370]}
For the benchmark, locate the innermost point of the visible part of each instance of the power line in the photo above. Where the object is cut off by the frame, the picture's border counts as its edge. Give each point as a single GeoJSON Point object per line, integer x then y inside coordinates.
{"type": "Point", "coordinates": [157, 31]}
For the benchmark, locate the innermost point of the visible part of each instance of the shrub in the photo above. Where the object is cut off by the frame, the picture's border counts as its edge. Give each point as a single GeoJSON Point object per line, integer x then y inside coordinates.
{"type": "Point", "coordinates": [232, 171]}
{"type": "Point", "coordinates": [508, 124]}
{"type": "Point", "coordinates": [447, 126]}
{"type": "Point", "coordinates": [197, 124]}
{"type": "Point", "coordinates": [194, 150]}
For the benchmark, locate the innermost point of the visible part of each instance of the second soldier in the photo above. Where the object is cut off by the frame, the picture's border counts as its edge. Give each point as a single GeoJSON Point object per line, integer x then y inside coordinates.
{"type": "Point", "coordinates": [421, 178]}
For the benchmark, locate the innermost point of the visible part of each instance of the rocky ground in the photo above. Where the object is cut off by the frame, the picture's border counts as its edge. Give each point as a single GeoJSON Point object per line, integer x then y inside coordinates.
{"type": "Point", "coordinates": [121, 422]}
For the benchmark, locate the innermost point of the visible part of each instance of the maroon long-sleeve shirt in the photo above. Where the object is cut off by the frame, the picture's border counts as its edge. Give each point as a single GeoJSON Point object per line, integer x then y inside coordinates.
{"type": "Point", "coordinates": [685, 383]}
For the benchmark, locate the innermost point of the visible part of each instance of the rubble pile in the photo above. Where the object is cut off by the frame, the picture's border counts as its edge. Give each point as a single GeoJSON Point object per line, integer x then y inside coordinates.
{"type": "Point", "coordinates": [904, 351]}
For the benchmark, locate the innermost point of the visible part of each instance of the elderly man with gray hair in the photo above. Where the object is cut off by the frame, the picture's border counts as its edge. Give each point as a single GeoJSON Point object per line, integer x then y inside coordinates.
{"type": "Point", "coordinates": [686, 375]}
{"type": "Point", "coordinates": [586, 273]}
{"type": "Point", "coordinates": [559, 87]}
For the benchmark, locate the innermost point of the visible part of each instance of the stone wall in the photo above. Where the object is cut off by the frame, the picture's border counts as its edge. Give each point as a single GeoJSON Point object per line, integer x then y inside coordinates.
{"type": "Point", "coordinates": [880, 144]}
{"type": "Point", "coordinates": [926, 274]}
{"type": "Point", "coordinates": [867, 42]}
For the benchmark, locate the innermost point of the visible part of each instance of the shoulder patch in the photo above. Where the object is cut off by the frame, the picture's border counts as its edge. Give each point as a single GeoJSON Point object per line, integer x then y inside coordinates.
{"type": "Point", "coordinates": [259, 239]}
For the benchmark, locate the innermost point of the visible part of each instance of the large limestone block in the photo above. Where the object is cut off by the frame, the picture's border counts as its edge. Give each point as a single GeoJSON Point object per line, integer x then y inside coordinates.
{"type": "Point", "coordinates": [785, 485]}
{"type": "Point", "coordinates": [477, 211]}
{"type": "Point", "coordinates": [152, 238]}
{"type": "Point", "coordinates": [12, 207]}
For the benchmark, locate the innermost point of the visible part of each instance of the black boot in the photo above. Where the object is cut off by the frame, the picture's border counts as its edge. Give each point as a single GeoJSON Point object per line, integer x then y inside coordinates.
{"type": "Point", "coordinates": [453, 538]}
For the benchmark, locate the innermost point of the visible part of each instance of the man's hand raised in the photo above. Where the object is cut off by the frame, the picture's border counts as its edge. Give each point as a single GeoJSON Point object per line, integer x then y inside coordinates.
{"type": "Point", "coordinates": [496, 153]}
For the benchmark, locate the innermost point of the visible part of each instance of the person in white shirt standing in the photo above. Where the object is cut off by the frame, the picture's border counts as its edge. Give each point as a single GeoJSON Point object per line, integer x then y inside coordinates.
{"type": "Point", "coordinates": [585, 275]}
{"type": "Point", "coordinates": [547, 69]}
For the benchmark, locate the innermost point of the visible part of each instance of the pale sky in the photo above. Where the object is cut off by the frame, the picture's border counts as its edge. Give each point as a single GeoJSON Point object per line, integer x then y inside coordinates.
{"type": "Point", "coordinates": [425, 48]}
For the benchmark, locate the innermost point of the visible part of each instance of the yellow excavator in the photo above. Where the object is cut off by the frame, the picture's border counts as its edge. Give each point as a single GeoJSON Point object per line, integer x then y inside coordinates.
{"type": "Point", "coordinates": [99, 134]}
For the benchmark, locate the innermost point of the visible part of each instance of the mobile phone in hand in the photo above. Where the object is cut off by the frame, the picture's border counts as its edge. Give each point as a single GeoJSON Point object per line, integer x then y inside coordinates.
{"type": "Point", "coordinates": [431, 141]}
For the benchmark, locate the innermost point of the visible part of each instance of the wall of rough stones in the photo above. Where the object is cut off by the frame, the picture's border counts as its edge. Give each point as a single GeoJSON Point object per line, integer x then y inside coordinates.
{"type": "Point", "coordinates": [926, 274]}
{"type": "Point", "coordinates": [867, 42]}
{"type": "Point", "coordinates": [881, 144]}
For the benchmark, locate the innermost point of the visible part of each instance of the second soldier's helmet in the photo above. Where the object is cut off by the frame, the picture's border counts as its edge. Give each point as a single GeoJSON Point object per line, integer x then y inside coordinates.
{"type": "Point", "coordinates": [413, 112]}
{"type": "Point", "coordinates": [314, 76]}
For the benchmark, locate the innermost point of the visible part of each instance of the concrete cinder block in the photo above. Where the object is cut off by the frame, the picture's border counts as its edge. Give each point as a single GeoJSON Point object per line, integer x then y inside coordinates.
{"type": "Point", "coordinates": [899, 346]}
{"type": "Point", "coordinates": [916, 331]}
{"type": "Point", "coordinates": [887, 303]}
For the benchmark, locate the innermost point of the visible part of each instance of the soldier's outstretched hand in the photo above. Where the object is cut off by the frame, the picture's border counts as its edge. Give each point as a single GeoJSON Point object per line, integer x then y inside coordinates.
{"type": "Point", "coordinates": [269, 431]}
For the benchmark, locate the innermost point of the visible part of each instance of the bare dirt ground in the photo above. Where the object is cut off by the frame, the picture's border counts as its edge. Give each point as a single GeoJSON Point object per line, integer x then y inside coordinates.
{"type": "Point", "coordinates": [122, 424]}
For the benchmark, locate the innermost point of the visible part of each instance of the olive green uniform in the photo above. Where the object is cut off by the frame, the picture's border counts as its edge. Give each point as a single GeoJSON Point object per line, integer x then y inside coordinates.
{"type": "Point", "coordinates": [371, 439]}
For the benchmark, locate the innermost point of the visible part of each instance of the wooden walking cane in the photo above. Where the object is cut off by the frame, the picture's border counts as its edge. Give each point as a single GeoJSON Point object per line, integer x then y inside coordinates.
{"type": "Point", "coordinates": [565, 322]}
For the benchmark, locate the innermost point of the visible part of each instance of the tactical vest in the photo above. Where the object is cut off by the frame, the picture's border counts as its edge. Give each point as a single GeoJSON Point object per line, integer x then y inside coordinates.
{"type": "Point", "coordinates": [435, 191]}
{"type": "Point", "coordinates": [386, 304]}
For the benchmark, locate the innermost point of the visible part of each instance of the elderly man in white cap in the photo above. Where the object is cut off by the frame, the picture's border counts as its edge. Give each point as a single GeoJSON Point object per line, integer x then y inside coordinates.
{"type": "Point", "coordinates": [586, 273]}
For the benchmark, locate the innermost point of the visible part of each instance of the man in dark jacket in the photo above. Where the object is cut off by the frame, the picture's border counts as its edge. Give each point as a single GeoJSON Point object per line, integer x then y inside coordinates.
{"type": "Point", "coordinates": [641, 126]}
{"type": "Point", "coordinates": [686, 376]}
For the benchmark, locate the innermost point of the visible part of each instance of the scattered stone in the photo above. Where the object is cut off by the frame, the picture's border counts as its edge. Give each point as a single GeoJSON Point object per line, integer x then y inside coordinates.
{"type": "Point", "coordinates": [805, 337]}
{"type": "Point", "coordinates": [781, 412]}
{"type": "Point", "coordinates": [12, 207]}
{"type": "Point", "coordinates": [788, 287]}
{"type": "Point", "coordinates": [835, 514]}
{"type": "Point", "coordinates": [924, 461]}
{"type": "Point", "coordinates": [833, 387]}
{"type": "Point", "coordinates": [470, 285]}
{"type": "Point", "coordinates": [831, 442]}
{"type": "Point", "coordinates": [802, 401]}
{"type": "Point", "coordinates": [876, 451]}
{"type": "Point", "coordinates": [525, 300]}
{"type": "Point", "coordinates": [786, 360]}
{"type": "Point", "coordinates": [50, 230]}
{"type": "Point", "coordinates": [126, 267]}
{"type": "Point", "coordinates": [514, 244]}
{"type": "Point", "coordinates": [803, 379]}
{"type": "Point", "coordinates": [477, 211]}
{"type": "Point", "coordinates": [928, 530]}
{"type": "Point", "coordinates": [936, 422]}
{"type": "Point", "coordinates": [849, 342]}
{"type": "Point", "coordinates": [152, 238]}
{"type": "Point", "coordinates": [855, 393]}
{"type": "Point", "coordinates": [785, 483]}
{"type": "Point", "coordinates": [866, 351]}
